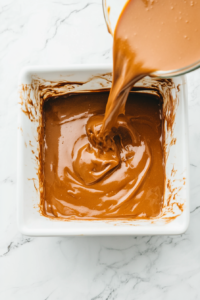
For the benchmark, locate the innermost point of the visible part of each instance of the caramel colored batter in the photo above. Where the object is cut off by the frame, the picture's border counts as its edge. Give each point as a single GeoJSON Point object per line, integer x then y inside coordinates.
{"type": "Point", "coordinates": [111, 166]}
{"type": "Point", "coordinates": [125, 180]}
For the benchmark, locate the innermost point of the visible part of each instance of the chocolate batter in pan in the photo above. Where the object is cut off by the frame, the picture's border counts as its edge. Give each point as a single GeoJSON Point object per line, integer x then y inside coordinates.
{"type": "Point", "coordinates": [83, 180]}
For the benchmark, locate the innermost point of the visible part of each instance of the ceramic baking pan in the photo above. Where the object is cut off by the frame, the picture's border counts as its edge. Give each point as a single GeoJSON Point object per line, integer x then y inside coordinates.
{"type": "Point", "coordinates": [36, 81]}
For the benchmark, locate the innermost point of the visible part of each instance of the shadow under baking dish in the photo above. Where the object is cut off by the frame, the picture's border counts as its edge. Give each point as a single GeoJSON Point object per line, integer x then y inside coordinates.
{"type": "Point", "coordinates": [36, 84]}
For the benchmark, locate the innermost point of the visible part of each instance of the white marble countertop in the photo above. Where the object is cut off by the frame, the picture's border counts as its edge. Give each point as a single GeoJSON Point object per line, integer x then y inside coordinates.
{"type": "Point", "coordinates": [59, 32]}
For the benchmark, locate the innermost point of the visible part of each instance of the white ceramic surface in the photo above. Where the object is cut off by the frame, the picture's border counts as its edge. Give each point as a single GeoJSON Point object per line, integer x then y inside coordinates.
{"type": "Point", "coordinates": [38, 32]}
{"type": "Point", "coordinates": [31, 222]}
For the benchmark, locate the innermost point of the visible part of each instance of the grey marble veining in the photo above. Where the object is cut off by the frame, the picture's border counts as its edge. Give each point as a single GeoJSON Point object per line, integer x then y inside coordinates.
{"type": "Point", "coordinates": [61, 32]}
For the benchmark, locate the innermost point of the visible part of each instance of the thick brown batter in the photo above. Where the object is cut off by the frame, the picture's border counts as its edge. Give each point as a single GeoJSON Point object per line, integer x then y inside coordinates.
{"type": "Point", "coordinates": [126, 180]}
{"type": "Point", "coordinates": [111, 166]}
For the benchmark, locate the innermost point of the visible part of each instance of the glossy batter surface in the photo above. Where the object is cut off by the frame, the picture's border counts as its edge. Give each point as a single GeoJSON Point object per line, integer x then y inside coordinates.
{"type": "Point", "coordinates": [82, 179]}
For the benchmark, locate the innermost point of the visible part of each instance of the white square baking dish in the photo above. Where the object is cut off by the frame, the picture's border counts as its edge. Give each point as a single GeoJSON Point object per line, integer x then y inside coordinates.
{"type": "Point", "coordinates": [175, 216]}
